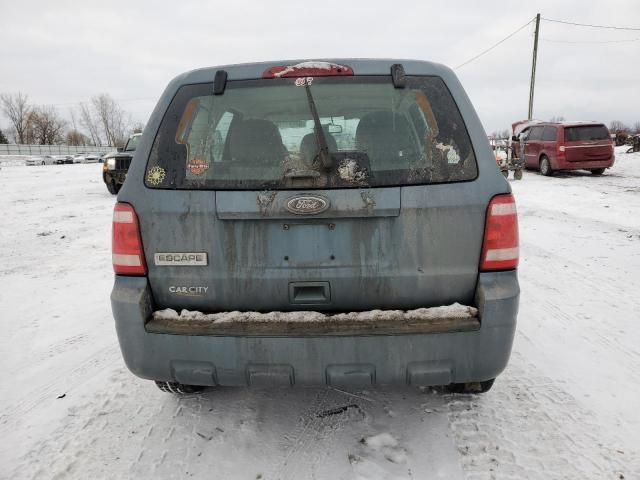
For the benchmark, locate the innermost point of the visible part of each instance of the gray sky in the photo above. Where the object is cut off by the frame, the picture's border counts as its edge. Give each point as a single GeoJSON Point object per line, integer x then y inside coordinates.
{"type": "Point", "coordinates": [63, 52]}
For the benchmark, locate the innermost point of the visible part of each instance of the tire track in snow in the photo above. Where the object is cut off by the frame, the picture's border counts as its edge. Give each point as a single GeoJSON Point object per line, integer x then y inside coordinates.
{"type": "Point", "coordinates": [594, 280]}
{"type": "Point", "coordinates": [88, 444]}
{"type": "Point", "coordinates": [311, 431]}
{"type": "Point", "coordinates": [61, 383]}
{"type": "Point", "coordinates": [188, 431]}
{"type": "Point", "coordinates": [606, 330]}
{"type": "Point", "coordinates": [527, 427]}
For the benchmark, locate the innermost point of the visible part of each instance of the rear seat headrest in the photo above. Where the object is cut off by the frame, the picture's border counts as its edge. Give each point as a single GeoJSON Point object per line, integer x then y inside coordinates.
{"type": "Point", "coordinates": [256, 140]}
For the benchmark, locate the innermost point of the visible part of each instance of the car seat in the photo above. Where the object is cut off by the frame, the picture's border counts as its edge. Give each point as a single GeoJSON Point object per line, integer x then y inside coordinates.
{"type": "Point", "coordinates": [256, 141]}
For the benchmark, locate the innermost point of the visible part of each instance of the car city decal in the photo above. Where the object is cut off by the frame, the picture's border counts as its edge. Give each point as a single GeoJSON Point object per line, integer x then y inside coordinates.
{"type": "Point", "coordinates": [307, 204]}
{"type": "Point", "coordinates": [156, 175]}
{"type": "Point", "coordinates": [180, 259]}
{"type": "Point", "coordinates": [188, 291]}
{"type": "Point", "coordinates": [198, 166]}
{"type": "Point", "coordinates": [302, 81]}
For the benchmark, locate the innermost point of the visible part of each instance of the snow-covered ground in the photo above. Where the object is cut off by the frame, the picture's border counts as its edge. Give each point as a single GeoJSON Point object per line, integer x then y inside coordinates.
{"type": "Point", "coordinates": [568, 406]}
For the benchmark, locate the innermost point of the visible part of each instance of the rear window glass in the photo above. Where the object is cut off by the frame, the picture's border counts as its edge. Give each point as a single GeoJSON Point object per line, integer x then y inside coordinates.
{"type": "Point", "coordinates": [263, 134]}
{"type": "Point", "coordinates": [549, 134]}
{"type": "Point", "coordinates": [535, 133]}
{"type": "Point", "coordinates": [586, 132]}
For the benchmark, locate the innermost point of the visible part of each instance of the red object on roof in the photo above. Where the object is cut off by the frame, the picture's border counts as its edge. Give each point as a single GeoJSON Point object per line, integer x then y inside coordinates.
{"type": "Point", "coordinates": [308, 69]}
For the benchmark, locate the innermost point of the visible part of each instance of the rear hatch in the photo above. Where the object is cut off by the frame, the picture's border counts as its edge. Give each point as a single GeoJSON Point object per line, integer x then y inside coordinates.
{"type": "Point", "coordinates": [587, 143]}
{"type": "Point", "coordinates": [312, 189]}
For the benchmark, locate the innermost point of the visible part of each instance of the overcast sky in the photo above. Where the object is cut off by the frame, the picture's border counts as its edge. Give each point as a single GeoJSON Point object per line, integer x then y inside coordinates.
{"type": "Point", "coordinates": [61, 53]}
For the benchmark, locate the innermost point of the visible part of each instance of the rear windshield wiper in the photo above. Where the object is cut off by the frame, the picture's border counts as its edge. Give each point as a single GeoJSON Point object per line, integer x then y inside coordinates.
{"type": "Point", "coordinates": [325, 157]}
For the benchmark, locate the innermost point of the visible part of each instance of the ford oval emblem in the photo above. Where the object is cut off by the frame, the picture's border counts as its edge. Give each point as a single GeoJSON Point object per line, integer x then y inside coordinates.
{"type": "Point", "coordinates": [307, 204]}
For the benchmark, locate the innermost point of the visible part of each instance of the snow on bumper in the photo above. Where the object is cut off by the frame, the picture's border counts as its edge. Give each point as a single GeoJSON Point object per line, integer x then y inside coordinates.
{"type": "Point", "coordinates": [451, 318]}
{"type": "Point", "coordinates": [153, 349]}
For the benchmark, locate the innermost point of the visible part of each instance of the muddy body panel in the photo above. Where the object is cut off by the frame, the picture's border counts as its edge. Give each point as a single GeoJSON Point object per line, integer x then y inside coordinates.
{"type": "Point", "coordinates": [421, 256]}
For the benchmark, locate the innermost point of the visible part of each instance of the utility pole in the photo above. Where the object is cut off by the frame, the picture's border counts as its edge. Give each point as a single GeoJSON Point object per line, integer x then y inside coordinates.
{"type": "Point", "coordinates": [533, 66]}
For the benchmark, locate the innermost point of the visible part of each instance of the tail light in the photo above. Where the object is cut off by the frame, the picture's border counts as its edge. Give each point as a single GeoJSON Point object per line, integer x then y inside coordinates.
{"type": "Point", "coordinates": [126, 246]}
{"type": "Point", "coordinates": [500, 250]}
{"type": "Point", "coordinates": [560, 151]}
{"type": "Point", "coordinates": [308, 69]}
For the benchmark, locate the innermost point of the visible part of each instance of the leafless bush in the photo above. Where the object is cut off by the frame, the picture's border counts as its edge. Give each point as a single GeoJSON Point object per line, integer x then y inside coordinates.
{"type": "Point", "coordinates": [16, 107]}
{"type": "Point", "coordinates": [46, 127]}
{"type": "Point", "coordinates": [616, 126]}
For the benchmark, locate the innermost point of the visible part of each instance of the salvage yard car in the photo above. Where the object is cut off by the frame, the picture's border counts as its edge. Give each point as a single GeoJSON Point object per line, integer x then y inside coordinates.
{"type": "Point", "coordinates": [550, 147]}
{"type": "Point", "coordinates": [40, 160]}
{"type": "Point", "coordinates": [389, 257]}
{"type": "Point", "coordinates": [79, 158]}
{"type": "Point", "coordinates": [116, 164]}
{"type": "Point", "coordinates": [92, 158]}
{"type": "Point", "coordinates": [63, 159]}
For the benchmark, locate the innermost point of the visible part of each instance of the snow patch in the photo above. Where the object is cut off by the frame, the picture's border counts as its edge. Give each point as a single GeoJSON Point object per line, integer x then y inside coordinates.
{"type": "Point", "coordinates": [381, 440]}
{"type": "Point", "coordinates": [309, 65]}
{"type": "Point", "coordinates": [455, 310]}
{"type": "Point", "coordinates": [388, 446]}
{"type": "Point", "coordinates": [450, 152]}
{"type": "Point", "coordinates": [350, 171]}
{"type": "Point", "coordinates": [13, 160]}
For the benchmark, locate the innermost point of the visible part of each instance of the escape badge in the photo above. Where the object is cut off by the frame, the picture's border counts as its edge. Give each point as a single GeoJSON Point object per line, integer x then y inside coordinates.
{"type": "Point", "coordinates": [156, 175]}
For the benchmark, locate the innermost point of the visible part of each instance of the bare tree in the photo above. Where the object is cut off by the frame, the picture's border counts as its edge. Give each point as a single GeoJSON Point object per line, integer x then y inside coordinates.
{"type": "Point", "coordinates": [616, 126]}
{"type": "Point", "coordinates": [636, 127]}
{"type": "Point", "coordinates": [46, 126]}
{"type": "Point", "coordinates": [114, 121]}
{"type": "Point", "coordinates": [16, 107]}
{"type": "Point", "coordinates": [90, 123]}
{"type": "Point", "coordinates": [76, 138]}
{"type": "Point", "coordinates": [74, 119]}
{"type": "Point", "coordinates": [137, 127]}
{"type": "Point", "coordinates": [557, 119]}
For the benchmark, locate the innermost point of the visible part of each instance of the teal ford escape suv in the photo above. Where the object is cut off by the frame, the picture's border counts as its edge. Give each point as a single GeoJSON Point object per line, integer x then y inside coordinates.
{"type": "Point", "coordinates": [335, 222]}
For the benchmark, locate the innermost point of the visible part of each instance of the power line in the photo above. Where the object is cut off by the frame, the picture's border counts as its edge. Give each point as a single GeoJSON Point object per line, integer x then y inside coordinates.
{"type": "Point", "coordinates": [590, 41]}
{"type": "Point", "coordinates": [635, 29]}
{"type": "Point", "coordinates": [494, 45]}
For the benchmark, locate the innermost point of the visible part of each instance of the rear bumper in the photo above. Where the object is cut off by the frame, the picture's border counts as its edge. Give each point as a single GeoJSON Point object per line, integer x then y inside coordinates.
{"type": "Point", "coordinates": [583, 165]}
{"type": "Point", "coordinates": [415, 359]}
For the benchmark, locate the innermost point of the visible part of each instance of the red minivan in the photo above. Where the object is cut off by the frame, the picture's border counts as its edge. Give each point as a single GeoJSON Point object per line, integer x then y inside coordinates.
{"type": "Point", "coordinates": [567, 146]}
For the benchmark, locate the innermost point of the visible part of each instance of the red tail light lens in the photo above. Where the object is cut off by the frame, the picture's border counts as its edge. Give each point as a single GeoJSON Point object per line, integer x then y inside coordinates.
{"type": "Point", "coordinates": [308, 69]}
{"type": "Point", "coordinates": [560, 151]}
{"type": "Point", "coordinates": [500, 250]}
{"type": "Point", "coordinates": [126, 246]}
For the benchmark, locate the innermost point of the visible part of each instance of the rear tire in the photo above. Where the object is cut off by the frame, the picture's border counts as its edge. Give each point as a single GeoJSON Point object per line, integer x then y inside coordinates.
{"type": "Point", "coordinates": [545, 167]}
{"type": "Point", "coordinates": [472, 387]}
{"type": "Point", "coordinates": [517, 175]}
{"type": "Point", "coordinates": [179, 388]}
{"type": "Point", "coordinates": [597, 171]}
